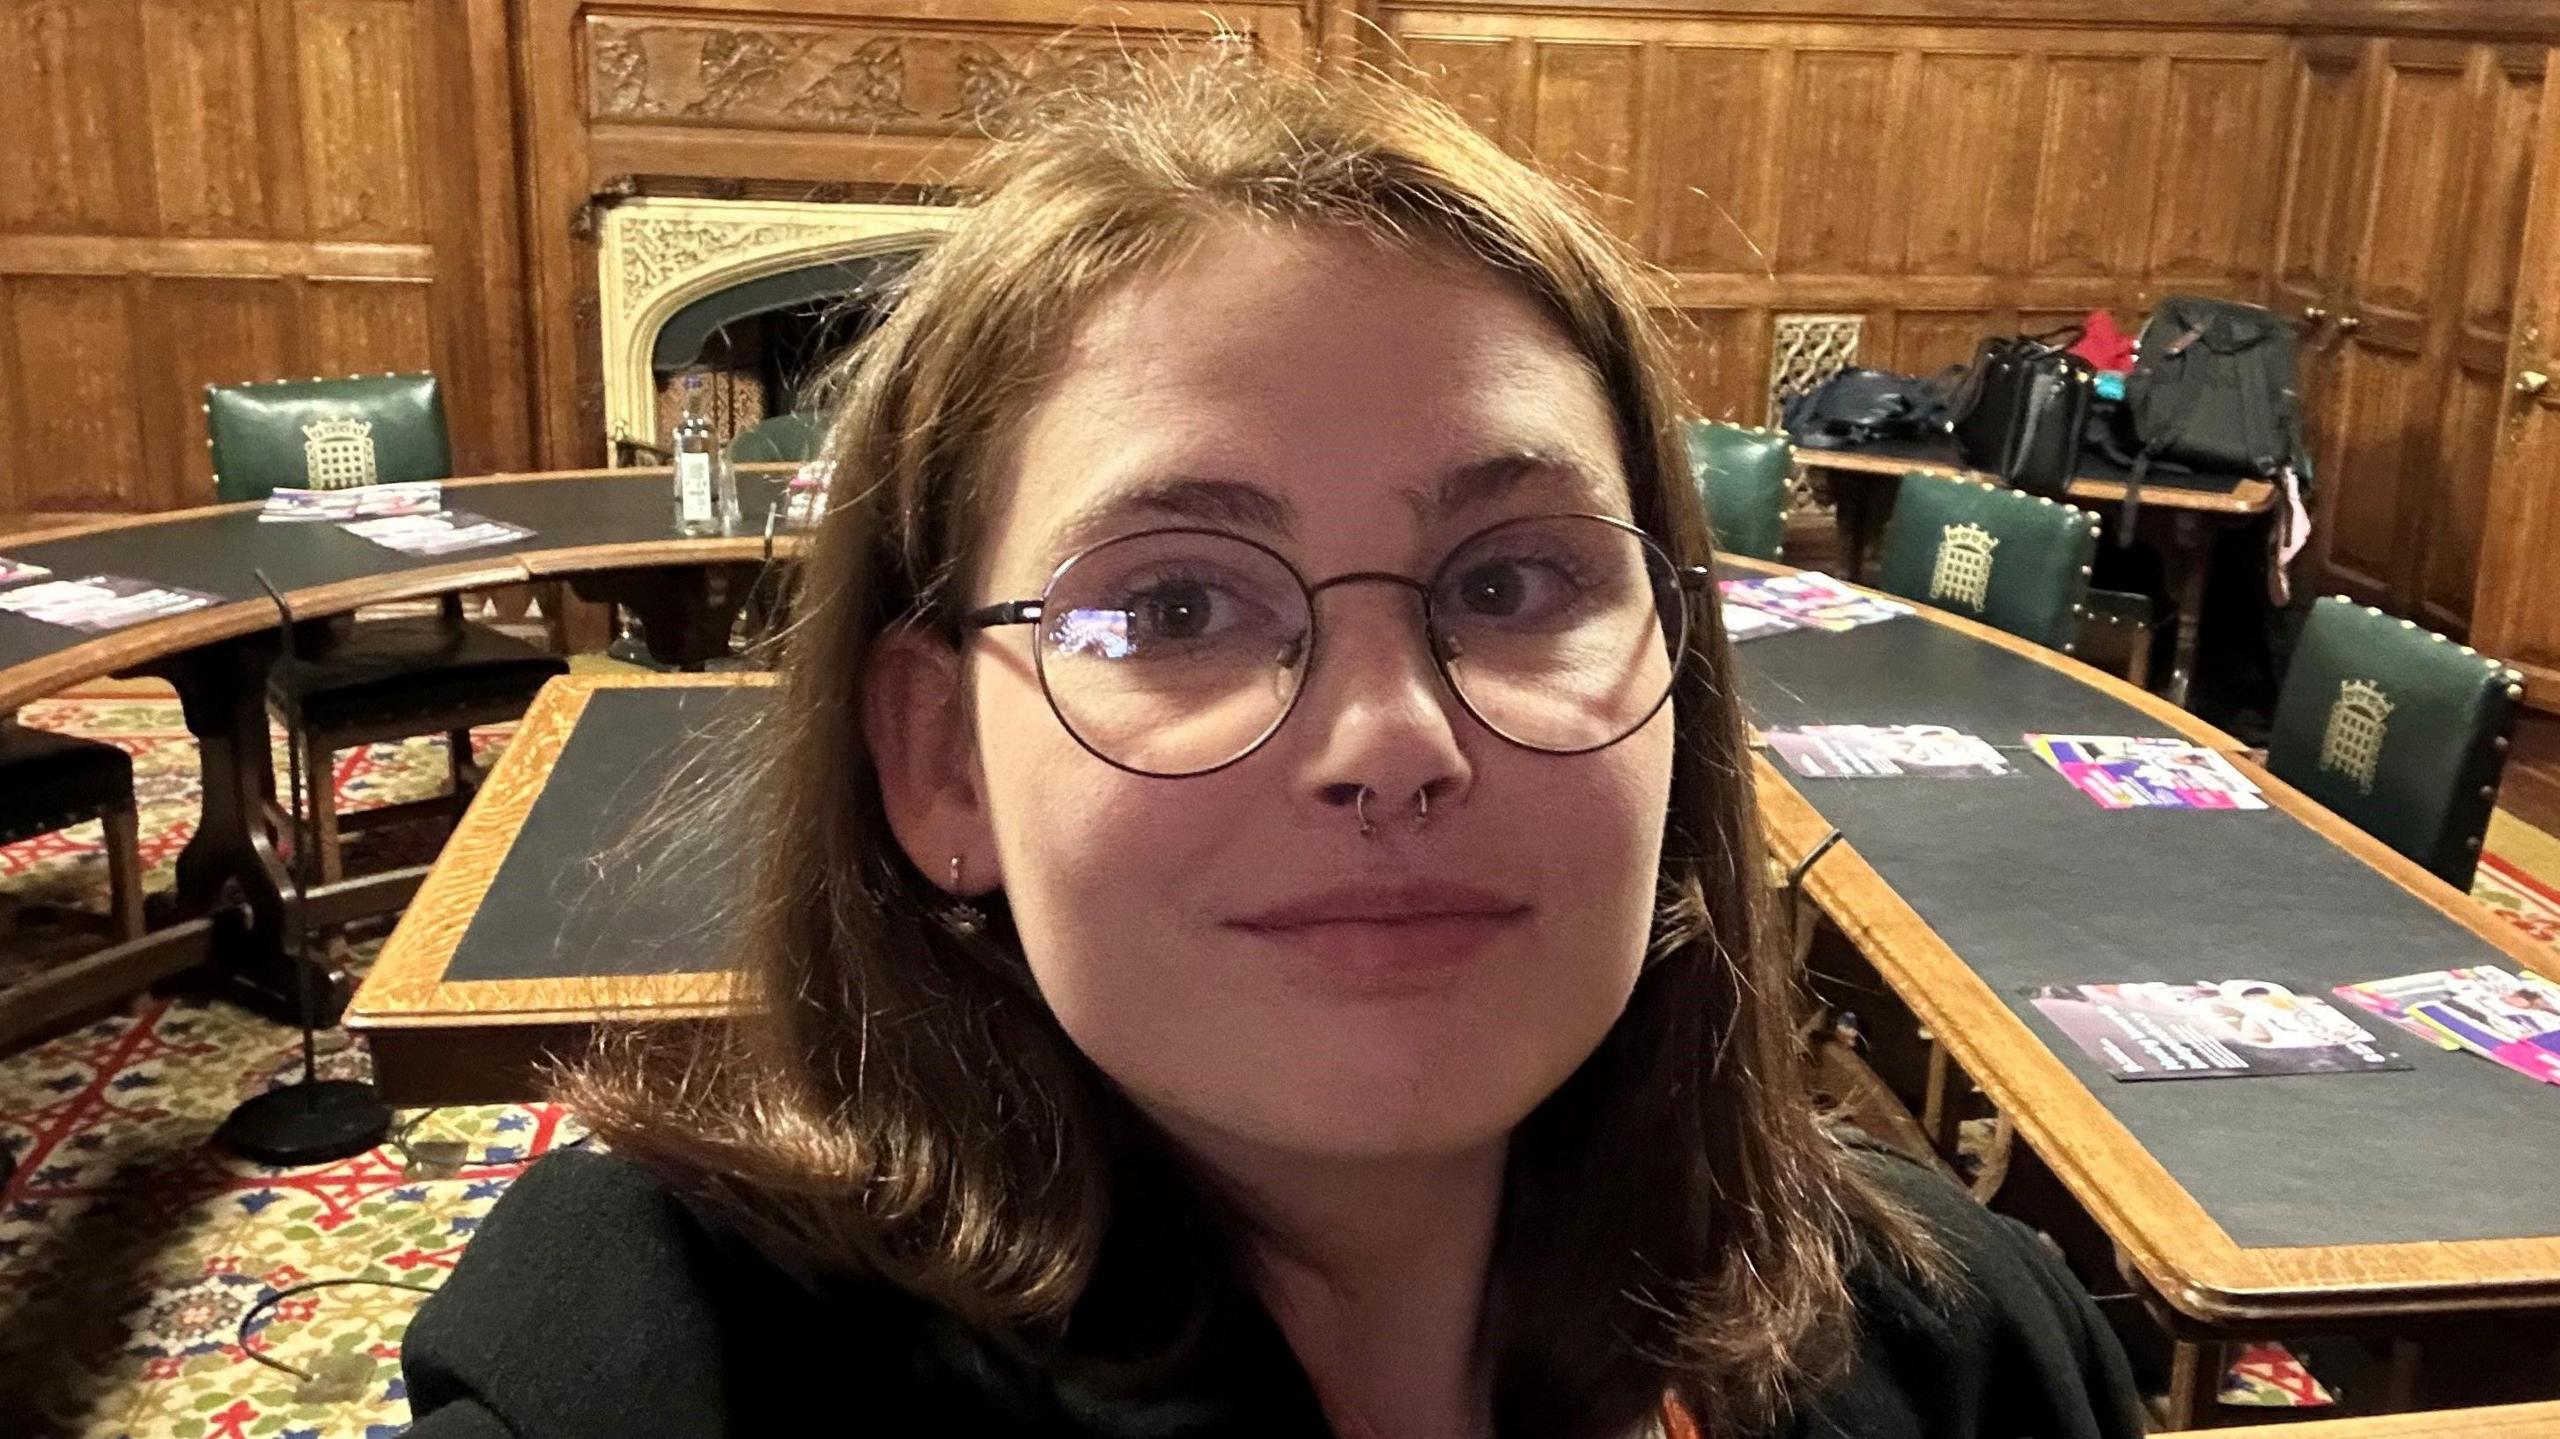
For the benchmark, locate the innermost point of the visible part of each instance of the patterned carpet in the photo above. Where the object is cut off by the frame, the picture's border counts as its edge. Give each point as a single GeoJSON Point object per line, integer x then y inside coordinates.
{"type": "Point", "coordinates": [130, 1252]}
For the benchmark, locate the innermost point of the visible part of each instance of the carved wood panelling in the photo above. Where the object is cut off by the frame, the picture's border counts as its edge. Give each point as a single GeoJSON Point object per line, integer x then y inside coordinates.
{"type": "Point", "coordinates": [890, 76]}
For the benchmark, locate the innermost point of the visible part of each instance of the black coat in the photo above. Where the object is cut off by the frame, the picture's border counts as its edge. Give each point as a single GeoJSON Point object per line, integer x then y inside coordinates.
{"type": "Point", "coordinates": [593, 1302]}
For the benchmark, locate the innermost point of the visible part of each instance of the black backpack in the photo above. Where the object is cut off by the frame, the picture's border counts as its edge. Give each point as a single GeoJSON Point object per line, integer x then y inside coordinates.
{"type": "Point", "coordinates": [2023, 408]}
{"type": "Point", "coordinates": [2213, 391]}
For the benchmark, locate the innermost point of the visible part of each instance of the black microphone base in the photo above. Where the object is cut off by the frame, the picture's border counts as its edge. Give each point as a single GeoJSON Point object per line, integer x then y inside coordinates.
{"type": "Point", "coordinates": [305, 1124]}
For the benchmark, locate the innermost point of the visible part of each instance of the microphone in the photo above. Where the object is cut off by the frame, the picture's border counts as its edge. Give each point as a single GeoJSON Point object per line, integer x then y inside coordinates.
{"type": "Point", "coordinates": [311, 1120]}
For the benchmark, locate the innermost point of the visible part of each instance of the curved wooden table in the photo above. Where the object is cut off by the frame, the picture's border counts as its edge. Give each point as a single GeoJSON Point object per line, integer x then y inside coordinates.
{"type": "Point", "coordinates": [606, 532]}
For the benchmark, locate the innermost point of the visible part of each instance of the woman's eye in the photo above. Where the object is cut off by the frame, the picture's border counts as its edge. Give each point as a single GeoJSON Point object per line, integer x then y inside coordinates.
{"type": "Point", "coordinates": [1176, 611]}
{"type": "Point", "coordinates": [1505, 589]}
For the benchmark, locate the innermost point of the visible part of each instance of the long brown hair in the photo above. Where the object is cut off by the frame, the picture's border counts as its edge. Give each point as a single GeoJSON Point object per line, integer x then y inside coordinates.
{"type": "Point", "coordinates": [896, 1100]}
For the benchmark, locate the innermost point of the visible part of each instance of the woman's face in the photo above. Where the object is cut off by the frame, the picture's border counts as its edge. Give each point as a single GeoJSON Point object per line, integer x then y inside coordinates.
{"type": "Point", "coordinates": [1341, 382]}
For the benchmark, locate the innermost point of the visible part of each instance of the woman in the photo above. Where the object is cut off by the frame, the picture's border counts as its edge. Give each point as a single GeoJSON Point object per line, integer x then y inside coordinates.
{"type": "Point", "coordinates": [1261, 928]}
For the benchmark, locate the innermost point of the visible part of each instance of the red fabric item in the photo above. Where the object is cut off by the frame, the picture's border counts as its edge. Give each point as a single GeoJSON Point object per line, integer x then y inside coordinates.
{"type": "Point", "coordinates": [2104, 346]}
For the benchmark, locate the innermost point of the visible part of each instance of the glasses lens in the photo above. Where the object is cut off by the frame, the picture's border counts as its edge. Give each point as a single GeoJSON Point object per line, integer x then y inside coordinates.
{"type": "Point", "coordinates": [1173, 652]}
{"type": "Point", "coordinates": [1561, 632]}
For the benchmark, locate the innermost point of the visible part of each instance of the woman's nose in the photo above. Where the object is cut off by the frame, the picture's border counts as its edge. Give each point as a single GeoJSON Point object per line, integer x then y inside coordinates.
{"type": "Point", "coordinates": [1376, 713]}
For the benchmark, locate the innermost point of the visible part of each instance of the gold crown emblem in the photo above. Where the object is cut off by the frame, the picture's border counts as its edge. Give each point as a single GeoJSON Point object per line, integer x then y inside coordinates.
{"type": "Point", "coordinates": [344, 427]}
{"type": "Point", "coordinates": [1972, 537]}
{"type": "Point", "coordinates": [2365, 697]}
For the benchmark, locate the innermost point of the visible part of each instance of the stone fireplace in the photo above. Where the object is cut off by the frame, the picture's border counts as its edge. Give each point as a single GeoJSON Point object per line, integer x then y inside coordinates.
{"type": "Point", "coordinates": [751, 293]}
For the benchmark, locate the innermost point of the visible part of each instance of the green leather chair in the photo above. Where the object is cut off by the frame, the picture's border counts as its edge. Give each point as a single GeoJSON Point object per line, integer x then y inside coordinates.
{"type": "Point", "coordinates": [1742, 477]}
{"type": "Point", "coordinates": [2398, 730]}
{"type": "Point", "coordinates": [325, 434]}
{"type": "Point", "coordinates": [2015, 561]}
{"type": "Point", "coordinates": [361, 681]}
{"type": "Point", "coordinates": [789, 439]}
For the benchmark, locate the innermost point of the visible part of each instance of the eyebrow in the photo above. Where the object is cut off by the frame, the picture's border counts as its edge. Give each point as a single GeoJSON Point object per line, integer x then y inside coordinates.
{"type": "Point", "coordinates": [1218, 503]}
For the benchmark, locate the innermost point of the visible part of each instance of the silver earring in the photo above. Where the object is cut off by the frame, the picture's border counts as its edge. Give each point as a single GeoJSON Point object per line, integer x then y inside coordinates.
{"type": "Point", "coordinates": [961, 917]}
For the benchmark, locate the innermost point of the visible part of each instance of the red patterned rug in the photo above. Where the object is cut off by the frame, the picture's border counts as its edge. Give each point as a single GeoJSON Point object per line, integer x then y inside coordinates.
{"type": "Point", "coordinates": [131, 1253]}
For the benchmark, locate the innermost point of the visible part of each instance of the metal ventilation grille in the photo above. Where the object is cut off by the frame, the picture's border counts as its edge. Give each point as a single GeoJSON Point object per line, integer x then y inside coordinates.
{"type": "Point", "coordinates": [1805, 350]}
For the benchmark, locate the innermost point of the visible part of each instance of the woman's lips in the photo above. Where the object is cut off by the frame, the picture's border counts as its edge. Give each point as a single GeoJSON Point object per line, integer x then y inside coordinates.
{"type": "Point", "coordinates": [1386, 955]}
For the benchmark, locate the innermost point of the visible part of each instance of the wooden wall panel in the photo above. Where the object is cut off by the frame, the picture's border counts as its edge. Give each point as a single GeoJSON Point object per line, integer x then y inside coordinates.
{"type": "Point", "coordinates": [1714, 196]}
{"type": "Point", "coordinates": [182, 171]}
{"type": "Point", "coordinates": [78, 446]}
{"type": "Point", "coordinates": [2449, 542]}
{"type": "Point", "coordinates": [1965, 129]}
{"type": "Point", "coordinates": [205, 117]}
{"type": "Point", "coordinates": [1838, 143]}
{"type": "Point", "coordinates": [1585, 120]}
{"type": "Point", "coordinates": [2382, 394]}
{"type": "Point", "coordinates": [1927, 341]}
{"type": "Point", "coordinates": [2208, 209]}
{"type": "Point", "coordinates": [364, 327]}
{"type": "Point", "coordinates": [2420, 143]}
{"type": "Point", "coordinates": [2502, 185]}
{"type": "Point", "coordinates": [207, 332]}
{"type": "Point", "coordinates": [2088, 200]}
{"type": "Point", "coordinates": [64, 82]}
{"type": "Point", "coordinates": [1473, 76]}
{"type": "Point", "coordinates": [357, 67]}
{"type": "Point", "coordinates": [1723, 360]}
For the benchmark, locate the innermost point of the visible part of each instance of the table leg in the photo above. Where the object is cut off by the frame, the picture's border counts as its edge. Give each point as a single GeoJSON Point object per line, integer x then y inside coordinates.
{"type": "Point", "coordinates": [686, 611]}
{"type": "Point", "coordinates": [230, 867]}
{"type": "Point", "coordinates": [2189, 557]}
{"type": "Point", "coordinates": [1854, 517]}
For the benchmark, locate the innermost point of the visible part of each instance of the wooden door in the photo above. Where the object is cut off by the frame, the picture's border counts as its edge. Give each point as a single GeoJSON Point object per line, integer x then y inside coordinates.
{"type": "Point", "coordinates": [2480, 321]}
{"type": "Point", "coordinates": [2387, 372]}
{"type": "Point", "coordinates": [2309, 274]}
{"type": "Point", "coordinates": [2517, 598]}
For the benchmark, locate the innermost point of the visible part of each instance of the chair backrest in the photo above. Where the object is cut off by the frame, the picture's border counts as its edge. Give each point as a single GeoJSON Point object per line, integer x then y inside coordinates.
{"type": "Point", "coordinates": [325, 434]}
{"type": "Point", "coordinates": [2015, 561]}
{"type": "Point", "coordinates": [2398, 730]}
{"type": "Point", "coordinates": [1742, 477]}
{"type": "Point", "coordinates": [787, 438]}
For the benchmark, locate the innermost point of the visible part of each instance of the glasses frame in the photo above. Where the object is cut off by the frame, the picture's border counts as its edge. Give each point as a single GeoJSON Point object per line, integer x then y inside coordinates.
{"type": "Point", "coordinates": [1684, 581]}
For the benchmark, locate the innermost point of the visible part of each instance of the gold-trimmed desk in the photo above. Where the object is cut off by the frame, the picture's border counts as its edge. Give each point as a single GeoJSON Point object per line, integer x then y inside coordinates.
{"type": "Point", "coordinates": [2182, 520]}
{"type": "Point", "coordinates": [506, 960]}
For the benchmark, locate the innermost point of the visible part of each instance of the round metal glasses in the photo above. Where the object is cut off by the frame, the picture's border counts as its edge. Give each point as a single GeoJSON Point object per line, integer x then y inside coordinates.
{"type": "Point", "coordinates": [1175, 652]}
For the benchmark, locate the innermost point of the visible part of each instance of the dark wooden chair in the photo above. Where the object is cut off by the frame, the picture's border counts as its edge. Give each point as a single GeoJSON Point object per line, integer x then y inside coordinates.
{"type": "Point", "coordinates": [364, 681]}
{"type": "Point", "coordinates": [51, 782]}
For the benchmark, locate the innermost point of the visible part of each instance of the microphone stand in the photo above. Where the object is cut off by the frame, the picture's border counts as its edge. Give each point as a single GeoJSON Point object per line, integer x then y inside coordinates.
{"type": "Point", "coordinates": [311, 1120]}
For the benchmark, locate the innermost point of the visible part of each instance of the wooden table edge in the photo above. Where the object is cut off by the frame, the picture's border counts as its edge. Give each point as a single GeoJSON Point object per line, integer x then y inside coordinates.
{"type": "Point", "coordinates": [2248, 497]}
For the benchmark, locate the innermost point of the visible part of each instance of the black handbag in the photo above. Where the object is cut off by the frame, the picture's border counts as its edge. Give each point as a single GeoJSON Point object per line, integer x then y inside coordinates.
{"type": "Point", "coordinates": [2022, 409]}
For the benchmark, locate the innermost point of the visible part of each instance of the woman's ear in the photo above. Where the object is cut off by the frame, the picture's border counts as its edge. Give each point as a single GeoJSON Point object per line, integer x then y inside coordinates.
{"type": "Point", "coordinates": [925, 753]}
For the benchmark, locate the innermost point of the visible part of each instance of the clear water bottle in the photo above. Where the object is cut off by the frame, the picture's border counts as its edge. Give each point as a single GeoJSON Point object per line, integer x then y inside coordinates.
{"type": "Point", "coordinates": [699, 461]}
